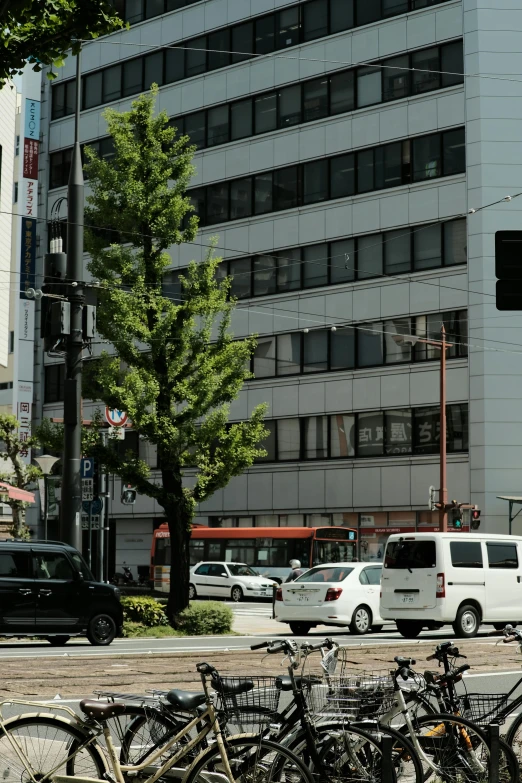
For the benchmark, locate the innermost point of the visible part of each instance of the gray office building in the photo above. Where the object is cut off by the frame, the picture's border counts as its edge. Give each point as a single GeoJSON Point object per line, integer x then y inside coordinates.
{"type": "Point", "coordinates": [346, 198]}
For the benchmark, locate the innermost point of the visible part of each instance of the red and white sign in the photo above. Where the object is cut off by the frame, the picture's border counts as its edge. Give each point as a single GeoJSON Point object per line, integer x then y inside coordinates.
{"type": "Point", "coordinates": [115, 417]}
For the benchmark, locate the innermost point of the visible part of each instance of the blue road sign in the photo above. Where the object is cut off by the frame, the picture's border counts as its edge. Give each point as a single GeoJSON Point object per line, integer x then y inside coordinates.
{"type": "Point", "coordinates": [96, 506]}
{"type": "Point", "coordinates": [87, 467]}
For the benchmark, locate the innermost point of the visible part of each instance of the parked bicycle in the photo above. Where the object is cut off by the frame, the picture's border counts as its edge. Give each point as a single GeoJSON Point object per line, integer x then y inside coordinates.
{"type": "Point", "coordinates": [49, 748]}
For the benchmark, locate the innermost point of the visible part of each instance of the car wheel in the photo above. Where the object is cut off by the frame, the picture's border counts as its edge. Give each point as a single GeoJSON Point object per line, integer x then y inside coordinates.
{"type": "Point", "coordinates": [410, 629]}
{"type": "Point", "coordinates": [300, 629]}
{"type": "Point", "coordinates": [236, 594]}
{"type": "Point", "coordinates": [101, 630]}
{"type": "Point", "coordinates": [58, 641]}
{"type": "Point", "coordinates": [361, 620]}
{"type": "Point", "coordinates": [467, 622]}
{"type": "Point", "coordinates": [192, 593]}
{"type": "Point", "coordinates": [377, 628]}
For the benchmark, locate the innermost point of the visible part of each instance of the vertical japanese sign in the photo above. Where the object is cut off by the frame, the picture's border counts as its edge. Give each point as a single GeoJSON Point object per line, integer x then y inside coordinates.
{"type": "Point", "coordinates": [28, 206]}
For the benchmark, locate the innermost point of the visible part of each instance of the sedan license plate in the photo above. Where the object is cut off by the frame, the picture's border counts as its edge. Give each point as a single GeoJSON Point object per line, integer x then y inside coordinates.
{"type": "Point", "coordinates": [408, 598]}
{"type": "Point", "coordinates": [302, 597]}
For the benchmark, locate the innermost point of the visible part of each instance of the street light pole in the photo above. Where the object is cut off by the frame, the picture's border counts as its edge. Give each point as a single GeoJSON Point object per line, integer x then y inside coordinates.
{"type": "Point", "coordinates": [71, 506]}
{"type": "Point", "coordinates": [443, 491]}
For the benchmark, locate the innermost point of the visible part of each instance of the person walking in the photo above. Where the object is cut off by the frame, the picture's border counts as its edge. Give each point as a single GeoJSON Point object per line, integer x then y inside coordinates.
{"type": "Point", "coordinates": [296, 571]}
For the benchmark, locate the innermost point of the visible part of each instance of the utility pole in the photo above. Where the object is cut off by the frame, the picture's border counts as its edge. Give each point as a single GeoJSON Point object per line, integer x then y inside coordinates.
{"type": "Point", "coordinates": [443, 490]}
{"type": "Point", "coordinates": [71, 505]}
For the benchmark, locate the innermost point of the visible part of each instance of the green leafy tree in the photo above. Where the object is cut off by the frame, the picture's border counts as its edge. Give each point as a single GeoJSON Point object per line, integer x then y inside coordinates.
{"type": "Point", "coordinates": [43, 30]}
{"type": "Point", "coordinates": [176, 366]}
{"type": "Point", "coordinates": [16, 472]}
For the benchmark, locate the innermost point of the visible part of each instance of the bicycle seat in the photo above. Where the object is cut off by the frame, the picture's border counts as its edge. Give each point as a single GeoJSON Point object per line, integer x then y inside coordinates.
{"type": "Point", "coordinates": [400, 661]}
{"type": "Point", "coordinates": [101, 710]}
{"type": "Point", "coordinates": [284, 683]}
{"type": "Point", "coordinates": [228, 687]}
{"type": "Point", "coordinates": [185, 700]}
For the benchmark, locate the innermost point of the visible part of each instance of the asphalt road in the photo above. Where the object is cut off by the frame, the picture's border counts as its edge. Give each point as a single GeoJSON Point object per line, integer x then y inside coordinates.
{"type": "Point", "coordinates": [123, 647]}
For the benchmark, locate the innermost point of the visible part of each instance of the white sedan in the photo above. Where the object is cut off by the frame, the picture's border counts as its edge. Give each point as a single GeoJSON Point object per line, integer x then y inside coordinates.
{"type": "Point", "coordinates": [228, 580]}
{"type": "Point", "coordinates": [341, 594]}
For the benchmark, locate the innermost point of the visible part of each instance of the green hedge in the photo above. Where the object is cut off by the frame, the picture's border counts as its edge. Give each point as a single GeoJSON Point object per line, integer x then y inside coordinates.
{"type": "Point", "coordinates": [143, 610]}
{"type": "Point", "coordinates": [206, 618]}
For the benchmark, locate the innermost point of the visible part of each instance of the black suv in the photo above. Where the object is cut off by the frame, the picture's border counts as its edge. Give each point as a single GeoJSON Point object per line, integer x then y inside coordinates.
{"type": "Point", "coordinates": [47, 589]}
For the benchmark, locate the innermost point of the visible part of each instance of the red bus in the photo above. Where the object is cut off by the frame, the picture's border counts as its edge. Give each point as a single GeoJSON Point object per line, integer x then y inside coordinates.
{"type": "Point", "coordinates": [267, 549]}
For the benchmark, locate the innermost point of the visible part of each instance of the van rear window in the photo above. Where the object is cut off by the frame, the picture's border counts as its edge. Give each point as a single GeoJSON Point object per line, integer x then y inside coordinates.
{"type": "Point", "coordinates": [410, 554]}
{"type": "Point", "coordinates": [466, 554]}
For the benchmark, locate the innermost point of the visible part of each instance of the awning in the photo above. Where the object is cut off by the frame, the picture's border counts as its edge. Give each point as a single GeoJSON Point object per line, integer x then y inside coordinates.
{"type": "Point", "coordinates": [16, 494]}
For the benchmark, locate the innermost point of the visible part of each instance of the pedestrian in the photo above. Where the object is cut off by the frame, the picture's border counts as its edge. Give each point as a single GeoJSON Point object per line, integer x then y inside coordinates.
{"type": "Point", "coordinates": [296, 571]}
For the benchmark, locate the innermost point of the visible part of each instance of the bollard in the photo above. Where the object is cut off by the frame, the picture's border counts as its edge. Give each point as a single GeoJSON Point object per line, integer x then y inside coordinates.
{"type": "Point", "coordinates": [387, 775]}
{"type": "Point", "coordinates": [274, 591]}
{"type": "Point", "coordinates": [494, 753]}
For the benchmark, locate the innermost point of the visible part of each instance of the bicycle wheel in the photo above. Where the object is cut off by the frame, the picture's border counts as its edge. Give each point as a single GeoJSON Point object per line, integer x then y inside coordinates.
{"type": "Point", "coordinates": [50, 746]}
{"type": "Point", "coordinates": [146, 729]}
{"type": "Point", "coordinates": [252, 760]}
{"type": "Point", "coordinates": [455, 750]}
{"type": "Point", "coordinates": [514, 738]}
{"type": "Point", "coordinates": [407, 767]}
{"type": "Point", "coordinates": [352, 755]}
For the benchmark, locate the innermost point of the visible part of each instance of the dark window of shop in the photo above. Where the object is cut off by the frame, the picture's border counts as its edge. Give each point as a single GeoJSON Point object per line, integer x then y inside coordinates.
{"type": "Point", "coordinates": [466, 554]}
{"type": "Point", "coordinates": [502, 555]}
{"type": "Point", "coordinates": [372, 434]}
{"type": "Point", "coordinates": [386, 166]}
{"type": "Point", "coordinates": [426, 429]}
{"type": "Point", "coordinates": [265, 35]}
{"type": "Point", "coordinates": [54, 378]}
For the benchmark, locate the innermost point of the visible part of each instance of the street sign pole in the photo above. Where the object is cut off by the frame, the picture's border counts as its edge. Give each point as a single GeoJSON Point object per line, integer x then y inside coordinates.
{"type": "Point", "coordinates": [90, 536]}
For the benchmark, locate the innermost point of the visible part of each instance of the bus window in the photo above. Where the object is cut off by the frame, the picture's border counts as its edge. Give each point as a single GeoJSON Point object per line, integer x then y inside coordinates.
{"type": "Point", "coordinates": [214, 550]}
{"type": "Point", "coordinates": [333, 552]}
{"type": "Point", "coordinates": [196, 551]}
{"type": "Point", "coordinates": [162, 556]}
{"type": "Point", "coordinates": [240, 551]}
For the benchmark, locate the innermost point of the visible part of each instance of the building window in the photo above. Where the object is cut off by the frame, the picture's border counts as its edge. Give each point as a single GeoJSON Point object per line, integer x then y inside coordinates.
{"type": "Point", "coordinates": [54, 380]}
{"type": "Point", "coordinates": [386, 166]}
{"type": "Point", "coordinates": [385, 80]}
{"type": "Point", "coordinates": [359, 346]}
{"type": "Point", "coordinates": [17, 146]}
{"type": "Point", "coordinates": [395, 433]}
{"type": "Point", "coordinates": [15, 193]}
{"type": "Point", "coordinates": [11, 342]}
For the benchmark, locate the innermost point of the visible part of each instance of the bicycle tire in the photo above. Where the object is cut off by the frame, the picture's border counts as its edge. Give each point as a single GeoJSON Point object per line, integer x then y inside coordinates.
{"type": "Point", "coordinates": [514, 738]}
{"type": "Point", "coordinates": [249, 757]}
{"type": "Point", "coordinates": [147, 731]}
{"type": "Point", "coordinates": [49, 750]}
{"type": "Point", "coordinates": [403, 753]}
{"type": "Point", "coordinates": [466, 758]}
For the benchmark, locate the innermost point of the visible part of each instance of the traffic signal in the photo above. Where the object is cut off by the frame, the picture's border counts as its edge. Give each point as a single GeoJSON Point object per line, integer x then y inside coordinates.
{"type": "Point", "coordinates": [55, 311]}
{"type": "Point", "coordinates": [475, 518]}
{"type": "Point", "coordinates": [456, 516]}
{"type": "Point", "coordinates": [128, 494]}
{"type": "Point", "coordinates": [508, 269]}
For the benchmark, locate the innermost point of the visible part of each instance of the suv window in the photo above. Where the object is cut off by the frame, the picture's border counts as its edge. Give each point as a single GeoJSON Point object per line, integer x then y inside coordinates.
{"type": "Point", "coordinates": [202, 570]}
{"type": "Point", "coordinates": [466, 554]}
{"type": "Point", "coordinates": [502, 555]}
{"type": "Point", "coordinates": [15, 565]}
{"type": "Point", "coordinates": [374, 575]}
{"type": "Point", "coordinates": [410, 554]}
{"type": "Point", "coordinates": [217, 570]}
{"type": "Point", "coordinates": [52, 565]}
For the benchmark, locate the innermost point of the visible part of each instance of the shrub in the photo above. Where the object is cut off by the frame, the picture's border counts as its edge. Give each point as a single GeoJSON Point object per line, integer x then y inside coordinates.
{"type": "Point", "coordinates": [206, 618]}
{"type": "Point", "coordinates": [143, 610]}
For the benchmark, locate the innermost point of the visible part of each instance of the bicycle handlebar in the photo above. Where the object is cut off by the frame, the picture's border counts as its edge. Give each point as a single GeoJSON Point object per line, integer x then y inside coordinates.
{"type": "Point", "coordinates": [277, 648]}
{"type": "Point", "coordinates": [259, 645]}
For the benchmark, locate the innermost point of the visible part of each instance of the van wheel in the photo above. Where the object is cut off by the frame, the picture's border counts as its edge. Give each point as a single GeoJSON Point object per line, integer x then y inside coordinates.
{"type": "Point", "coordinates": [58, 641]}
{"type": "Point", "coordinates": [300, 629]}
{"type": "Point", "coordinates": [101, 630]}
{"type": "Point", "coordinates": [410, 629]}
{"type": "Point", "coordinates": [192, 593]}
{"type": "Point", "coordinates": [467, 622]}
{"type": "Point", "coordinates": [361, 620]}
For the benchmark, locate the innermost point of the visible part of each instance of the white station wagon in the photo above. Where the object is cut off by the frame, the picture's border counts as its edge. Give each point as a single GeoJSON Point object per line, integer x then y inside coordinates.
{"type": "Point", "coordinates": [228, 580]}
{"type": "Point", "coordinates": [340, 594]}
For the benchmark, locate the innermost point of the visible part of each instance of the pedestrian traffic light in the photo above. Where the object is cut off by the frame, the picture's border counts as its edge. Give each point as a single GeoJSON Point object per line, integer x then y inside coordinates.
{"type": "Point", "coordinates": [508, 269]}
{"type": "Point", "coordinates": [456, 516]}
{"type": "Point", "coordinates": [128, 494]}
{"type": "Point", "coordinates": [475, 518]}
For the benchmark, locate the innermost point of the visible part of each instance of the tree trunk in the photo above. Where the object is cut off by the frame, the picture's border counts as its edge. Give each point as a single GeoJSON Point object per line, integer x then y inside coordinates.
{"type": "Point", "coordinates": [179, 521]}
{"type": "Point", "coordinates": [18, 521]}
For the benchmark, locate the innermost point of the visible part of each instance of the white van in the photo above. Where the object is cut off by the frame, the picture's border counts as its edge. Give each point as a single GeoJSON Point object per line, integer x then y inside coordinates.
{"type": "Point", "coordinates": [431, 579]}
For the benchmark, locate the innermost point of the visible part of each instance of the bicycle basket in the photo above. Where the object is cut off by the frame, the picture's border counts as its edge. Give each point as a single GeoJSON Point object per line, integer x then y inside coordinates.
{"type": "Point", "coordinates": [483, 708]}
{"type": "Point", "coordinates": [247, 700]}
{"type": "Point", "coordinates": [357, 697]}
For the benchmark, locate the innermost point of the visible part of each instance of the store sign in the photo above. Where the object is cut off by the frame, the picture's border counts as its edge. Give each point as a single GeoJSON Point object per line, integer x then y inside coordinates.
{"type": "Point", "coordinates": [31, 159]}
{"type": "Point", "coordinates": [28, 256]}
{"type": "Point", "coordinates": [32, 119]}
